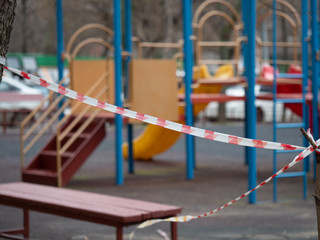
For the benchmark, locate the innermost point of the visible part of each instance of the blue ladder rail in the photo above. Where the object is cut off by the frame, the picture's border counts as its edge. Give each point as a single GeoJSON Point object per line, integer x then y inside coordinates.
{"type": "Point", "coordinates": [276, 125]}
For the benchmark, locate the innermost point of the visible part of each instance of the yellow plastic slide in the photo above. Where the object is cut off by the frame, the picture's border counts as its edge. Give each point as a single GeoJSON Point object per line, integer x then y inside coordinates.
{"type": "Point", "coordinates": [155, 140]}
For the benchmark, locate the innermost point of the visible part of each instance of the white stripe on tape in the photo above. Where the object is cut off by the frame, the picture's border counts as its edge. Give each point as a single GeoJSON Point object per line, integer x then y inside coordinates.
{"type": "Point", "coordinates": [2, 60]}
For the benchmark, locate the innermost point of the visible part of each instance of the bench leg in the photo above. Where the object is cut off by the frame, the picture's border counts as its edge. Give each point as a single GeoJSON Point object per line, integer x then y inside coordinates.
{"type": "Point", "coordinates": [4, 122]}
{"type": "Point", "coordinates": [10, 233]}
{"type": "Point", "coordinates": [174, 231]}
{"type": "Point", "coordinates": [119, 232]}
{"type": "Point", "coordinates": [26, 222]}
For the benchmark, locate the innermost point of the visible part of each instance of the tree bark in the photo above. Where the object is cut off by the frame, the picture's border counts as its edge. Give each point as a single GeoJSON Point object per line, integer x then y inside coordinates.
{"type": "Point", "coordinates": [7, 14]}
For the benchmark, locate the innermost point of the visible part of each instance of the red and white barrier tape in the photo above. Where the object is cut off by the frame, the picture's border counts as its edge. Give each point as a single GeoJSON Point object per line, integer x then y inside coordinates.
{"type": "Point", "coordinates": [198, 132]}
{"type": "Point", "coordinates": [188, 218]}
{"type": "Point", "coordinates": [184, 129]}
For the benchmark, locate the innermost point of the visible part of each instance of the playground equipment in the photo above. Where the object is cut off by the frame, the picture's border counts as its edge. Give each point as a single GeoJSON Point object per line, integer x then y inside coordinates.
{"type": "Point", "coordinates": [78, 133]}
{"type": "Point", "coordinates": [202, 17]}
{"type": "Point", "coordinates": [155, 140]}
{"type": "Point", "coordinates": [247, 41]}
{"type": "Point", "coordinates": [280, 80]}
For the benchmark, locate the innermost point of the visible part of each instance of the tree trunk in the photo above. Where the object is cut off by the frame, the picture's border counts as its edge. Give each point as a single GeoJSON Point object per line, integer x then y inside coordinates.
{"type": "Point", "coordinates": [7, 8]}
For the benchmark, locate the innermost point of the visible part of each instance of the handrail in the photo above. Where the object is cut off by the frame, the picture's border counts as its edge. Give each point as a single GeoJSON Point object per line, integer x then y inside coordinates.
{"type": "Point", "coordinates": [61, 135]}
{"type": "Point", "coordinates": [38, 108]}
{"type": "Point", "coordinates": [78, 104]}
{"type": "Point", "coordinates": [43, 117]}
{"type": "Point", "coordinates": [50, 122]}
{"type": "Point", "coordinates": [25, 136]}
{"type": "Point", "coordinates": [79, 116]}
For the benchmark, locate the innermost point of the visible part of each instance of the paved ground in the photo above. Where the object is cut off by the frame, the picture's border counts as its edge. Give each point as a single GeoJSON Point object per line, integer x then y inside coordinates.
{"type": "Point", "coordinates": [220, 176]}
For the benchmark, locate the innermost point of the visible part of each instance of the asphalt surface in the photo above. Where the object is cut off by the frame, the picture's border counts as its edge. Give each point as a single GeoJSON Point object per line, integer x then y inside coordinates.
{"type": "Point", "coordinates": [220, 176]}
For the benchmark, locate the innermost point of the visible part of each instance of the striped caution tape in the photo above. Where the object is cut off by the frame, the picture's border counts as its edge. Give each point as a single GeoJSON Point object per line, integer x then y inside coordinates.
{"type": "Point", "coordinates": [215, 136]}
{"type": "Point", "coordinates": [198, 132]}
{"type": "Point", "coordinates": [187, 218]}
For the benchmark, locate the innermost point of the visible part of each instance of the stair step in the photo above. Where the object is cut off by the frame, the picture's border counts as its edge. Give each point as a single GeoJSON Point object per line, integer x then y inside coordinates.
{"type": "Point", "coordinates": [40, 172]}
{"type": "Point", "coordinates": [43, 168]}
{"type": "Point", "coordinates": [288, 151]}
{"type": "Point", "coordinates": [289, 100]}
{"type": "Point", "coordinates": [54, 153]}
{"type": "Point", "coordinates": [290, 75]}
{"type": "Point", "coordinates": [291, 174]}
{"type": "Point", "coordinates": [289, 125]}
{"type": "Point", "coordinates": [82, 135]}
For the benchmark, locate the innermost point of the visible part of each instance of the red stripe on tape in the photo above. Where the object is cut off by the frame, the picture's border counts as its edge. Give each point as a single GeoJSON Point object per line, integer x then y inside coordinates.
{"type": "Point", "coordinates": [287, 147]}
{"type": "Point", "coordinates": [233, 140]}
{"type": "Point", "coordinates": [80, 97]}
{"type": "Point", "coordinates": [120, 110]}
{"type": "Point", "coordinates": [161, 122]}
{"type": "Point", "coordinates": [62, 90]}
{"type": "Point", "coordinates": [140, 116]}
{"type": "Point", "coordinates": [44, 83]}
{"type": "Point", "coordinates": [186, 129]}
{"type": "Point", "coordinates": [25, 75]}
{"type": "Point", "coordinates": [101, 104]}
{"type": "Point", "coordinates": [209, 135]}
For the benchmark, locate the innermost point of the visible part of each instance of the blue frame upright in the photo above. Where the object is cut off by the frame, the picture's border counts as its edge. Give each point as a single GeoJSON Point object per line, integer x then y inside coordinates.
{"type": "Point", "coordinates": [251, 118]}
{"type": "Point", "coordinates": [118, 90]}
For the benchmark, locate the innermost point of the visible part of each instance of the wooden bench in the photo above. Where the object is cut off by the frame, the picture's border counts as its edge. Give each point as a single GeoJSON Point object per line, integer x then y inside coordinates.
{"type": "Point", "coordinates": [97, 208]}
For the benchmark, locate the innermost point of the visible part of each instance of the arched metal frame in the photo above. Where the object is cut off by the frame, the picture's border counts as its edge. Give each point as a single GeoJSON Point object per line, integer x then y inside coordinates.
{"type": "Point", "coordinates": [86, 27]}
{"type": "Point", "coordinates": [206, 3]}
{"type": "Point", "coordinates": [295, 44]}
{"type": "Point", "coordinates": [284, 3]}
{"type": "Point", "coordinates": [201, 43]}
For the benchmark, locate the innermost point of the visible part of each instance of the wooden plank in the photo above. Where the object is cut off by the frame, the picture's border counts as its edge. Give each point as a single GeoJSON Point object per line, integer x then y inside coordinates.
{"type": "Point", "coordinates": [17, 97]}
{"type": "Point", "coordinates": [221, 80]}
{"type": "Point", "coordinates": [153, 88]}
{"type": "Point", "coordinates": [84, 73]}
{"type": "Point", "coordinates": [268, 82]}
{"type": "Point", "coordinates": [78, 204]}
{"type": "Point", "coordinates": [211, 97]}
{"type": "Point", "coordinates": [69, 208]}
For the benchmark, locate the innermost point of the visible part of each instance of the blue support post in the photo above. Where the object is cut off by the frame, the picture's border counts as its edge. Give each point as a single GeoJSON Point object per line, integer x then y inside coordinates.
{"type": "Point", "coordinates": [250, 100]}
{"type": "Point", "coordinates": [305, 76]}
{"type": "Point", "coordinates": [188, 65]}
{"type": "Point", "coordinates": [60, 47]}
{"type": "Point", "coordinates": [128, 45]}
{"type": "Point", "coordinates": [245, 62]}
{"type": "Point", "coordinates": [274, 93]}
{"type": "Point", "coordinates": [118, 90]}
{"type": "Point", "coordinates": [315, 71]}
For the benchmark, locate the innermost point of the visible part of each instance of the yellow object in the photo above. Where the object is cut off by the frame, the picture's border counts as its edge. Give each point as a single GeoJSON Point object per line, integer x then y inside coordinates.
{"type": "Point", "coordinates": [155, 140]}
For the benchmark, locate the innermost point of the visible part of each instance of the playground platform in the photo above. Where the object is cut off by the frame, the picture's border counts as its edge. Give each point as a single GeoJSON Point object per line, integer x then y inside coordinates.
{"type": "Point", "coordinates": [220, 176]}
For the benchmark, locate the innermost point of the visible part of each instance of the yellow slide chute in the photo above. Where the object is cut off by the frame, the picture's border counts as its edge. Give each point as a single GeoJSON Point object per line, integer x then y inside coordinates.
{"type": "Point", "coordinates": [154, 139]}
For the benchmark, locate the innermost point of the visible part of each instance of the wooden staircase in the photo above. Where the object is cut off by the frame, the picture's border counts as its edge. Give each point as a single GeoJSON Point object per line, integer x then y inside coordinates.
{"type": "Point", "coordinates": [45, 169]}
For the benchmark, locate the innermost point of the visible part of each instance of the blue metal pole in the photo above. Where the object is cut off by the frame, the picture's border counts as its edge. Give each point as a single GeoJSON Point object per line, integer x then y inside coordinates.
{"type": "Point", "coordinates": [245, 62]}
{"type": "Point", "coordinates": [315, 70]}
{"type": "Point", "coordinates": [250, 100]}
{"type": "Point", "coordinates": [60, 47]}
{"type": "Point", "coordinates": [188, 65]}
{"type": "Point", "coordinates": [128, 45]}
{"type": "Point", "coordinates": [274, 92]}
{"type": "Point", "coordinates": [118, 90]}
